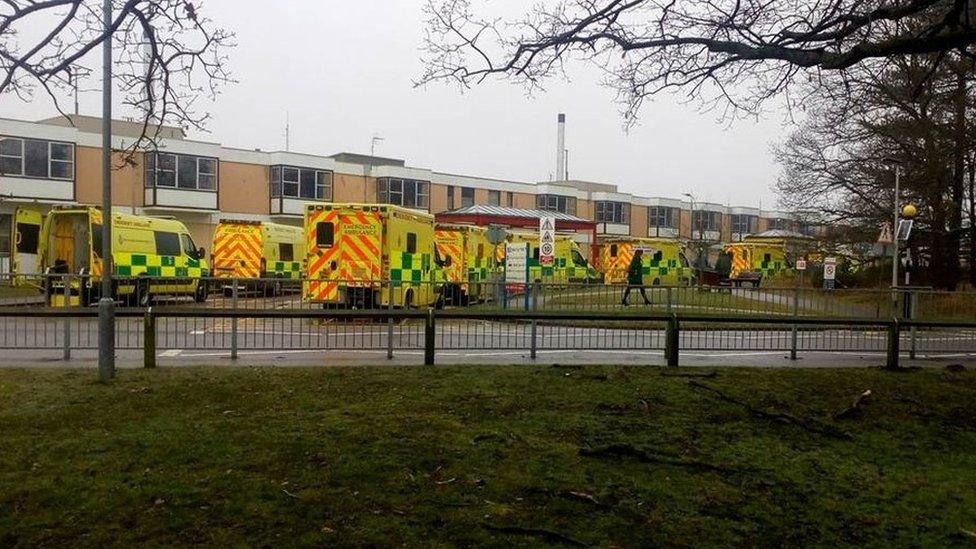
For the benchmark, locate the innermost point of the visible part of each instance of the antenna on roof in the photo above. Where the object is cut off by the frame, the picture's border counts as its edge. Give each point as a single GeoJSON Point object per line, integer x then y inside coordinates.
{"type": "Point", "coordinates": [287, 132]}
{"type": "Point", "coordinates": [372, 144]}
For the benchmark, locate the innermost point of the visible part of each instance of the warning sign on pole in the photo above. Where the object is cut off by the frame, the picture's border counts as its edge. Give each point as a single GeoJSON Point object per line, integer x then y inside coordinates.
{"type": "Point", "coordinates": [829, 272]}
{"type": "Point", "coordinates": [547, 240]}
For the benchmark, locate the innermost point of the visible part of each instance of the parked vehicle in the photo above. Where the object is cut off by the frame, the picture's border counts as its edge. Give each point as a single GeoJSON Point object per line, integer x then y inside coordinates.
{"type": "Point", "coordinates": [465, 262]}
{"type": "Point", "coordinates": [251, 250]}
{"type": "Point", "coordinates": [151, 257]}
{"type": "Point", "coordinates": [663, 260]}
{"type": "Point", "coordinates": [367, 255]}
{"type": "Point", "coordinates": [759, 258]}
{"type": "Point", "coordinates": [569, 264]}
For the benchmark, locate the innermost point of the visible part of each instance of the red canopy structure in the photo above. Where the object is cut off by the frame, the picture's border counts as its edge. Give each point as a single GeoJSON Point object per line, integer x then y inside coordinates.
{"type": "Point", "coordinates": [486, 216]}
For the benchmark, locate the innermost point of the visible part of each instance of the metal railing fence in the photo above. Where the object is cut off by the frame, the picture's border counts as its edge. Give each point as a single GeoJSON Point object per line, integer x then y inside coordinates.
{"type": "Point", "coordinates": [431, 330]}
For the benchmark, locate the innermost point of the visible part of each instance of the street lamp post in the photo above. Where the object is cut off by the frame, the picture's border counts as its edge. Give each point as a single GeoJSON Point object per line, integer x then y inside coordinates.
{"type": "Point", "coordinates": [894, 230]}
{"type": "Point", "coordinates": [692, 198]}
{"type": "Point", "coordinates": [106, 306]}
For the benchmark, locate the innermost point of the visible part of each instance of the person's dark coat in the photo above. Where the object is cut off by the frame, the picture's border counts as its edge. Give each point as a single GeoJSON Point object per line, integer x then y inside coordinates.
{"type": "Point", "coordinates": [635, 272]}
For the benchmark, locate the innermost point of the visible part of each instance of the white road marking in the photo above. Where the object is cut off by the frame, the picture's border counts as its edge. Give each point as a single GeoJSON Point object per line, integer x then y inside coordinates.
{"type": "Point", "coordinates": [171, 352]}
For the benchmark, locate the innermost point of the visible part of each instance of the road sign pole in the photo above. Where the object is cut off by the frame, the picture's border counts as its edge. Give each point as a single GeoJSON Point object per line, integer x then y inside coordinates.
{"type": "Point", "coordinates": [106, 305]}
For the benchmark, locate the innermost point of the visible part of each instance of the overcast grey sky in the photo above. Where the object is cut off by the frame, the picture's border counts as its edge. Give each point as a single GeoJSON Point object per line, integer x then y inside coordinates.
{"type": "Point", "coordinates": [343, 72]}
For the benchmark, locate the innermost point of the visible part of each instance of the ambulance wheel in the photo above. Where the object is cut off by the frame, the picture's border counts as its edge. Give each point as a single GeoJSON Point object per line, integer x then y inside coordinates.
{"type": "Point", "coordinates": [657, 282]}
{"type": "Point", "coordinates": [200, 295]}
{"type": "Point", "coordinates": [143, 298]}
{"type": "Point", "coordinates": [408, 299]}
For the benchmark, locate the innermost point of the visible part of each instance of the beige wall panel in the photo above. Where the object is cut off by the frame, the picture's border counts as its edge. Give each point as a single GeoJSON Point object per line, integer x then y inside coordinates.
{"type": "Point", "coordinates": [524, 201]}
{"type": "Point", "coordinates": [638, 220]}
{"type": "Point", "coordinates": [684, 223]}
{"type": "Point", "coordinates": [243, 188]}
{"type": "Point", "coordinates": [584, 209]}
{"type": "Point", "coordinates": [438, 198]}
{"type": "Point", "coordinates": [127, 180]}
{"type": "Point", "coordinates": [352, 188]}
{"type": "Point", "coordinates": [725, 226]}
{"type": "Point", "coordinates": [481, 196]}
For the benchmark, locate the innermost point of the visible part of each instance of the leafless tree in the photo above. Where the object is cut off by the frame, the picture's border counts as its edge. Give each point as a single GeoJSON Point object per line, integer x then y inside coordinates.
{"type": "Point", "coordinates": [167, 55]}
{"type": "Point", "coordinates": [730, 53]}
{"type": "Point", "coordinates": [912, 110]}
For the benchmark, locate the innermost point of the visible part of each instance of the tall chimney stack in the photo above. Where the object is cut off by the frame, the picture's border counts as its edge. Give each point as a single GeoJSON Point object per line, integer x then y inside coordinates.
{"type": "Point", "coordinates": [561, 147]}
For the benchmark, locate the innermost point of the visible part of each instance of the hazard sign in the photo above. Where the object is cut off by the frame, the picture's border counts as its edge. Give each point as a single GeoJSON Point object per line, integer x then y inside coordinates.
{"type": "Point", "coordinates": [547, 240]}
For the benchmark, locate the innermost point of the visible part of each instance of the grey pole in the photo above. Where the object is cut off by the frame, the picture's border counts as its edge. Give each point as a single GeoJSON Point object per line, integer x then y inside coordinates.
{"type": "Point", "coordinates": [894, 233]}
{"type": "Point", "coordinates": [106, 306]}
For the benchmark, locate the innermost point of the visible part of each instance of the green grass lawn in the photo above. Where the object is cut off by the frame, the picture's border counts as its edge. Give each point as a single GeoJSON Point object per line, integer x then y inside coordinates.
{"type": "Point", "coordinates": [486, 455]}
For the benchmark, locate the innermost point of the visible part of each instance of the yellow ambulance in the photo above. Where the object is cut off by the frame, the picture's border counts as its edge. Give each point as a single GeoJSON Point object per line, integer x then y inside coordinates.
{"type": "Point", "coordinates": [262, 256]}
{"type": "Point", "coordinates": [369, 255]}
{"type": "Point", "coordinates": [465, 262]}
{"type": "Point", "coordinates": [569, 264]}
{"type": "Point", "coordinates": [152, 257]}
{"type": "Point", "coordinates": [663, 261]}
{"type": "Point", "coordinates": [759, 258]}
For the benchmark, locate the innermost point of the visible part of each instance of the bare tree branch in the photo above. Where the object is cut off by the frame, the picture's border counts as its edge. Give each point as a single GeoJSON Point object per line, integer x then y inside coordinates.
{"type": "Point", "coordinates": [166, 56]}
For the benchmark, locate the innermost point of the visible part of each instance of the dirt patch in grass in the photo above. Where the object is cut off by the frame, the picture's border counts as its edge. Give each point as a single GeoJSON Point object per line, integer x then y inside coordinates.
{"type": "Point", "coordinates": [487, 455]}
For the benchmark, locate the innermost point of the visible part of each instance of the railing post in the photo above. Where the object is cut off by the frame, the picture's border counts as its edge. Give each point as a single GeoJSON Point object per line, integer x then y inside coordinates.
{"type": "Point", "coordinates": [894, 336]}
{"type": "Point", "coordinates": [793, 329]}
{"type": "Point", "coordinates": [149, 339]}
{"type": "Point", "coordinates": [671, 340]}
{"type": "Point", "coordinates": [389, 323]}
{"type": "Point", "coordinates": [536, 290]}
{"type": "Point", "coordinates": [233, 320]}
{"type": "Point", "coordinates": [669, 299]}
{"type": "Point", "coordinates": [429, 338]}
{"type": "Point", "coordinates": [67, 319]}
{"type": "Point", "coordinates": [912, 307]}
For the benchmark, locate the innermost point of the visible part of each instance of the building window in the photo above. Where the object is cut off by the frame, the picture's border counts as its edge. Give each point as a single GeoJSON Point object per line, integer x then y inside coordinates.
{"type": "Point", "coordinates": [704, 220]}
{"type": "Point", "coordinates": [781, 223]}
{"type": "Point", "coordinates": [744, 224]}
{"type": "Point", "coordinates": [37, 158]}
{"type": "Point", "coordinates": [181, 171]}
{"type": "Point", "coordinates": [612, 212]}
{"type": "Point", "coordinates": [494, 198]}
{"type": "Point", "coordinates": [450, 197]}
{"type": "Point", "coordinates": [662, 217]}
{"type": "Point", "coordinates": [403, 192]}
{"type": "Point", "coordinates": [295, 182]}
{"type": "Point", "coordinates": [556, 203]}
{"type": "Point", "coordinates": [509, 199]}
{"type": "Point", "coordinates": [467, 197]}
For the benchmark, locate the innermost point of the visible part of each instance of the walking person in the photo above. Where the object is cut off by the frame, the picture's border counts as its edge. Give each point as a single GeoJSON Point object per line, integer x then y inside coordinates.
{"type": "Point", "coordinates": [635, 278]}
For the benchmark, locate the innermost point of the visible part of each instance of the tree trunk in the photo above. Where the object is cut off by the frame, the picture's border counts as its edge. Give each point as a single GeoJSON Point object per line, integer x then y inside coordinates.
{"type": "Point", "coordinates": [957, 184]}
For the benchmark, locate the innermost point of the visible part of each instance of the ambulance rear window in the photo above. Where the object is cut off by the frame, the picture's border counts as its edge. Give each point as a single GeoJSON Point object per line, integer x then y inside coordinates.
{"type": "Point", "coordinates": [286, 252]}
{"type": "Point", "coordinates": [27, 238]}
{"type": "Point", "coordinates": [613, 250]}
{"type": "Point", "coordinates": [324, 234]}
{"type": "Point", "coordinates": [411, 243]}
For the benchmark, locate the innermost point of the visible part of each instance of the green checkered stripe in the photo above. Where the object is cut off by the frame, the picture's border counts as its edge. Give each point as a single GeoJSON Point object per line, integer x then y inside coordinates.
{"type": "Point", "coordinates": [284, 269]}
{"type": "Point", "coordinates": [662, 268]}
{"type": "Point", "coordinates": [162, 266]}
{"type": "Point", "coordinates": [770, 268]}
{"type": "Point", "coordinates": [407, 267]}
{"type": "Point", "coordinates": [481, 270]}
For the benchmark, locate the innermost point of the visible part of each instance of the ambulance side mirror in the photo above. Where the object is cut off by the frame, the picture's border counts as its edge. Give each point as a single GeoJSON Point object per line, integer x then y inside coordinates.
{"type": "Point", "coordinates": [201, 253]}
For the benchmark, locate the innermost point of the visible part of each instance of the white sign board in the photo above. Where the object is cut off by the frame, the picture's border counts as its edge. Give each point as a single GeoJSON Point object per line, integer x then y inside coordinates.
{"type": "Point", "coordinates": [547, 240]}
{"type": "Point", "coordinates": [516, 263]}
{"type": "Point", "coordinates": [830, 268]}
{"type": "Point", "coordinates": [801, 264]}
